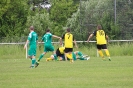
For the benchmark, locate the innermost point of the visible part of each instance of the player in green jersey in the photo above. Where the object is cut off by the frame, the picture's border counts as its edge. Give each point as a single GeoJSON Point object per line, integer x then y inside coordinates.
{"type": "Point", "coordinates": [32, 40]}
{"type": "Point", "coordinates": [47, 39]}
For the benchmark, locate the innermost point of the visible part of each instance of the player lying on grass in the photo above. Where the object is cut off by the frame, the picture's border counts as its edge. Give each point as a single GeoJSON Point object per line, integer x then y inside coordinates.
{"type": "Point", "coordinates": [80, 56]}
{"type": "Point", "coordinates": [60, 54]}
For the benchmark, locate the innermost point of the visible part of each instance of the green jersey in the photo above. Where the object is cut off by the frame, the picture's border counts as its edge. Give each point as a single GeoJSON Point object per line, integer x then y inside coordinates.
{"type": "Point", "coordinates": [33, 38]}
{"type": "Point", "coordinates": [47, 38]}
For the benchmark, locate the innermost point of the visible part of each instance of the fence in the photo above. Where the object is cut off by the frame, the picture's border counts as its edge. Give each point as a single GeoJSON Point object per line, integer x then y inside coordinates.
{"type": "Point", "coordinates": [22, 43]}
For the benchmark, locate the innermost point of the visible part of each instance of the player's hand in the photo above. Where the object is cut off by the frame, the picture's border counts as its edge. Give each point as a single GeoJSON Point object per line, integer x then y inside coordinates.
{"type": "Point", "coordinates": [25, 46]}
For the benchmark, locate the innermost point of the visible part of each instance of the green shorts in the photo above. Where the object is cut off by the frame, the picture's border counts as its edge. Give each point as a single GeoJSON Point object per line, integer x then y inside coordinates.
{"type": "Point", "coordinates": [74, 56]}
{"type": "Point", "coordinates": [32, 51]}
{"type": "Point", "coordinates": [48, 48]}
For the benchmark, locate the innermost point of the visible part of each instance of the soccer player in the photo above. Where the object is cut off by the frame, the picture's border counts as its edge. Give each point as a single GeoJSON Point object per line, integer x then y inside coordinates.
{"type": "Point", "coordinates": [32, 40]}
{"type": "Point", "coordinates": [68, 44]}
{"type": "Point", "coordinates": [47, 39]}
{"type": "Point", "coordinates": [101, 39]}
{"type": "Point", "coordinates": [80, 56]}
{"type": "Point", "coordinates": [59, 53]}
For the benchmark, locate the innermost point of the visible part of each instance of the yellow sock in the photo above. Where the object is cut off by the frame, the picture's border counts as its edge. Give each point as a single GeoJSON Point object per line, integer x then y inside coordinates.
{"type": "Point", "coordinates": [48, 59]}
{"type": "Point", "coordinates": [101, 53]}
{"type": "Point", "coordinates": [69, 55]}
{"type": "Point", "coordinates": [107, 53]}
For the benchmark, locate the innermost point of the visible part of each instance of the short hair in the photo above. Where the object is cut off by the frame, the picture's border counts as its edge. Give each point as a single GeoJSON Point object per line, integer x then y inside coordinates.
{"type": "Point", "coordinates": [47, 30]}
{"type": "Point", "coordinates": [68, 29]}
{"type": "Point", "coordinates": [99, 27]}
{"type": "Point", "coordinates": [31, 27]}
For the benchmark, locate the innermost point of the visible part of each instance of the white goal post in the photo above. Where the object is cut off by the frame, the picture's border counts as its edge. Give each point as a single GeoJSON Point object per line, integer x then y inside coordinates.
{"type": "Point", "coordinates": [26, 55]}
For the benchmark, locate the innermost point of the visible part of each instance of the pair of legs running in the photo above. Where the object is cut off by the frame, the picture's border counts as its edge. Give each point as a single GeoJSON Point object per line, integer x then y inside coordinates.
{"type": "Point", "coordinates": [104, 47]}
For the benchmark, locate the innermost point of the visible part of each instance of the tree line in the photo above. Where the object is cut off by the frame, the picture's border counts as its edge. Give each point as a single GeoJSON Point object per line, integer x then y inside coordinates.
{"type": "Point", "coordinates": [81, 16]}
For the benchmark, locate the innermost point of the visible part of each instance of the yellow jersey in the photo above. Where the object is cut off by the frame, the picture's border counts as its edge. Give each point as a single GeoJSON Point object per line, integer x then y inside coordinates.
{"type": "Point", "coordinates": [100, 37]}
{"type": "Point", "coordinates": [61, 49]}
{"type": "Point", "coordinates": [68, 40]}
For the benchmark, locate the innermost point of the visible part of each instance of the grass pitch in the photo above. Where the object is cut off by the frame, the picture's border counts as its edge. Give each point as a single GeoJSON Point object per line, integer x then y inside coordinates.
{"type": "Point", "coordinates": [94, 73]}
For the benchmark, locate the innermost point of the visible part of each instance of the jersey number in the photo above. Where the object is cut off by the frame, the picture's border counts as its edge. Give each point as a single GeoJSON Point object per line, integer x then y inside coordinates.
{"type": "Point", "coordinates": [69, 36]}
{"type": "Point", "coordinates": [101, 33]}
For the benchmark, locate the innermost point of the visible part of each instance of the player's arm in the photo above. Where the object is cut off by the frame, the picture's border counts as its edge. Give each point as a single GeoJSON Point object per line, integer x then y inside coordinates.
{"type": "Point", "coordinates": [91, 35]}
{"type": "Point", "coordinates": [58, 38]}
{"type": "Point", "coordinates": [107, 38]}
{"type": "Point", "coordinates": [26, 44]}
{"type": "Point", "coordinates": [75, 43]}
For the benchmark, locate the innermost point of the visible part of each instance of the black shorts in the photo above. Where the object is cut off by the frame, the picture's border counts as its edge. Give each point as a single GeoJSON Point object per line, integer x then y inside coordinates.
{"type": "Point", "coordinates": [104, 46]}
{"type": "Point", "coordinates": [68, 50]}
{"type": "Point", "coordinates": [58, 53]}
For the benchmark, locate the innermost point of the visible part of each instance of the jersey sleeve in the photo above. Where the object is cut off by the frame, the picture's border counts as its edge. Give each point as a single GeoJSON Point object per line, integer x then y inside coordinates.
{"type": "Point", "coordinates": [94, 33]}
{"type": "Point", "coordinates": [30, 36]}
{"type": "Point", "coordinates": [63, 36]}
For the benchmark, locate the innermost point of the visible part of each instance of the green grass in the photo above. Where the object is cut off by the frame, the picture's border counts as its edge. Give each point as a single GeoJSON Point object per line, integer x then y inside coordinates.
{"type": "Point", "coordinates": [94, 73]}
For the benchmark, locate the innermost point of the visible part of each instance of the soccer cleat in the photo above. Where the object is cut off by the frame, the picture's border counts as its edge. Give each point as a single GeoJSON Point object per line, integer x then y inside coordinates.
{"type": "Point", "coordinates": [47, 59]}
{"type": "Point", "coordinates": [31, 66]}
{"type": "Point", "coordinates": [87, 58]}
{"type": "Point", "coordinates": [36, 64]}
{"type": "Point", "coordinates": [109, 59]}
{"type": "Point", "coordinates": [71, 61]}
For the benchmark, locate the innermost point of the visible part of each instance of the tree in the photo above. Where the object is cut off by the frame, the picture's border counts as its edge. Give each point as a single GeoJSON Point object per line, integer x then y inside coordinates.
{"type": "Point", "coordinates": [13, 17]}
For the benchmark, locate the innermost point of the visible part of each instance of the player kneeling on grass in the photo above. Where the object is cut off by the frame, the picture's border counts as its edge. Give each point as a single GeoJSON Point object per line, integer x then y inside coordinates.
{"type": "Point", "coordinates": [59, 53]}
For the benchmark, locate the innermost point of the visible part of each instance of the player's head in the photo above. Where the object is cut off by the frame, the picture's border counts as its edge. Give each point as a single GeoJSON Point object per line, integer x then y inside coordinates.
{"type": "Point", "coordinates": [31, 28]}
{"type": "Point", "coordinates": [99, 27]}
{"type": "Point", "coordinates": [68, 29]}
{"type": "Point", "coordinates": [47, 30]}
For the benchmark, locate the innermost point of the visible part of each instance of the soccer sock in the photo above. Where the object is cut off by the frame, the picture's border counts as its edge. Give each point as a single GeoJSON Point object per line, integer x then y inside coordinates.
{"type": "Point", "coordinates": [80, 54]}
{"type": "Point", "coordinates": [101, 53]}
{"type": "Point", "coordinates": [41, 56]}
{"type": "Point", "coordinates": [55, 56]}
{"type": "Point", "coordinates": [49, 59]}
{"type": "Point", "coordinates": [69, 56]}
{"type": "Point", "coordinates": [33, 61]}
{"type": "Point", "coordinates": [107, 53]}
{"type": "Point", "coordinates": [82, 58]}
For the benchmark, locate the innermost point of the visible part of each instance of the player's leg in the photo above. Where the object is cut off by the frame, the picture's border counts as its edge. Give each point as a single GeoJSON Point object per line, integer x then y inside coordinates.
{"type": "Point", "coordinates": [41, 56]}
{"type": "Point", "coordinates": [32, 54]}
{"type": "Point", "coordinates": [68, 53]}
{"type": "Point", "coordinates": [50, 58]}
{"type": "Point", "coordinates": [106, 51]}
{"type": "Point", "coordinates": [99, 47]}
{"type": "Point", "coordinates": [74, 56]}
{"type": "Point", "coordinates": [46, 49]}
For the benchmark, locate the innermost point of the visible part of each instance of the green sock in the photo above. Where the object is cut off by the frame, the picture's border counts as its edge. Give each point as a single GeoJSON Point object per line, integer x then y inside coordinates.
{"type": "Point", "coordinates": [41, 56]}
{"type": "Point", "coordinates": [55, 56]}
{"type": "Point", "coordinates": [33, 61]}
{"type": "Point", "coordinates": [80, 54]}
{"type": "Point", "coordinates": [82, 58]}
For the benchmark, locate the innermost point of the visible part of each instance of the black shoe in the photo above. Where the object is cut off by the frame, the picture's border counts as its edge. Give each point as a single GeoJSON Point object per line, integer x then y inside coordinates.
{"type": "Point", "coordinates": [36, 64]}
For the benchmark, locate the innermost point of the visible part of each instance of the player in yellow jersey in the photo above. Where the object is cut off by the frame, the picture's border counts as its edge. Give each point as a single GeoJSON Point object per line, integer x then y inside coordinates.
{"type": "Point", "coordinates": [68, 44]}
{"type": "Point", "coordinates": [59, 53]}
{"type": "Point", "coordinates": [101, 39]}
